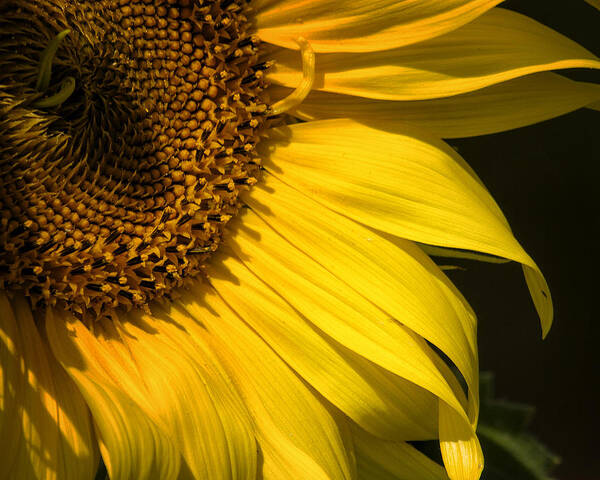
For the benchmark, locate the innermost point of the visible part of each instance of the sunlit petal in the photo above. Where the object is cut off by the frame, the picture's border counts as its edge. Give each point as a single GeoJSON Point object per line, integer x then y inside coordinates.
{"type": "Point", "coordinates": [297, 436]}
{"type": "Point", "coordinates": [378, 459]}
{"type": "Point", "coordinates": [414, 188]}
{"type": "Point", "coordinates": [362, 25]}
{"type": "Point", "coordinates": [157, 396]}
{"type": "Point", "coordinates": [500, 45]}
{"type": "Point", "coordinates": [501, 107]}
{"type": "Point", "coordinates": [45, 426]}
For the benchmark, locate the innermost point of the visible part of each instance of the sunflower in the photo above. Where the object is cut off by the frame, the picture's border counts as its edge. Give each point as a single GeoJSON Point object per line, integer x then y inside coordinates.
{"type": "Point", "coordinates": [217, 218]}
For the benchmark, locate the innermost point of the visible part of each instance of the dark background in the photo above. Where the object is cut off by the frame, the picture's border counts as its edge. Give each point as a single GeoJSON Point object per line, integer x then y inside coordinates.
{"type": "Point", "coordinates": [545, 178]}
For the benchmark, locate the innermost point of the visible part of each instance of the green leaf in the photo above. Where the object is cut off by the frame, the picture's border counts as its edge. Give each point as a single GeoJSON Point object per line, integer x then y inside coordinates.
{"type": "Point", "coordinates": [511, 453]}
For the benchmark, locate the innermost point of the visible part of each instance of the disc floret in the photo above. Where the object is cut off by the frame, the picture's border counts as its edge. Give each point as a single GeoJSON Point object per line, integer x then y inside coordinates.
{"type": "Point", "coordinates": [116, 193]}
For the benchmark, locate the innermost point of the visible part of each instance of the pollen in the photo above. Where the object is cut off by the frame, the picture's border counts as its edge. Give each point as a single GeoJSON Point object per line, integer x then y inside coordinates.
{"type": "Point", "coordinates": [127, 133]}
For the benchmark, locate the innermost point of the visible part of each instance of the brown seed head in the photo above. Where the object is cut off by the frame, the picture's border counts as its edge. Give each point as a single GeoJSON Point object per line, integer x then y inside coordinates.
{"type": "Point", "coordinates": [111, 198]}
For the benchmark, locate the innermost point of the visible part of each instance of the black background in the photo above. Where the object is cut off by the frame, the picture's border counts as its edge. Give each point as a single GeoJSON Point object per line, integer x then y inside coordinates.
{"type": "Point", "coordinates": [545, 178]}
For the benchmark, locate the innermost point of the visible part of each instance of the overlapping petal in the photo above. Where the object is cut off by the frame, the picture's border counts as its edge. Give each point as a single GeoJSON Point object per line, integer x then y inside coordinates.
{"type": "Point", "coordinates": [336, 309]}
{"type": "Point", "coordinates": [397, 278]}
{"type": "Point", "coordinates": [362, 25]}
{"type": "Point", "coordinates": [193, 396]}
{"type": "Point", "coordinates": [498, 46]}
{"type": "Point", "coordinates": [383, 403]}
{"type": "Point", "coordinates": [378, 459]}
{"type": "Point", "coordinates": [409, 185]}
{"type": "Point", "coordinates": [45, 426]}
{"type": "Point", "coordinates": [350, 319]}
{"type": "Point", "coordinates": [132, 445]}
{"type": "Point", "coordinates": [297, 436]}
{"type": "Point", "coordinates": [157, 397]}
{"type": "Point", "coordinates": [462, 456]}
{"type": "Point", "coordinates": [508, 105]}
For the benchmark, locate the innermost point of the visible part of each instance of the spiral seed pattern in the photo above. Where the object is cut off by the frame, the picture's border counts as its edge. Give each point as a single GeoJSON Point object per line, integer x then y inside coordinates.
{"type": "Point", "coordinates": [113, 197]}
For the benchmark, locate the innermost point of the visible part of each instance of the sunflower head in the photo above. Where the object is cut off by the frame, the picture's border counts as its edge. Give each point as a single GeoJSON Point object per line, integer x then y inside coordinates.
{"type": "Point", "coordinates": [322, 337]}
{"type": "Point", "coordinates": [127, 130]}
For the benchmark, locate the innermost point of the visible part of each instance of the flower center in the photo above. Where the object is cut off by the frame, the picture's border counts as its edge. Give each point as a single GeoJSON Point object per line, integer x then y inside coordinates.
{"type": "Point", "coordinates": [120, 172]}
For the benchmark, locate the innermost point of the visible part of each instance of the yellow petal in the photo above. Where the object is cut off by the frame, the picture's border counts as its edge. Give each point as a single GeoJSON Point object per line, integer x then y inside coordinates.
{"type": "Point", "coordinates": [594, 106]}
{"type": "Point", "coordinates": [335, 308]}
{"type": "Point", "coordinates": [378, 400]}
{"type": "Point", "coordinates": [297, 436]}
{"type": "Point", "coordinates": [45, 426]}
{"type": "Point", "coordinates": [513, 104]}
{"type": "Point", "coordinates": [460, 448]}
{"type": "Point", "coordinates": [343, 314]}
{"type": "Point", "coordinates": [132, 445]}
{"type": "Point", "coordinates": [378, 459]}
{"type": "Point", "coordinates": [363, 25]}
{"type": "Point", "coordinates": [498, 46]}
{"type": "Point", "coordinates": [179, 392]}
{"type": "Point", "coordinates": [594, 3]}
{"type": "Point", "coordinates": [414, 187]}
{"type": "Point", "coordinates": [396, 278]}
{"type": "Point", "coordinates": [192, 396]}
